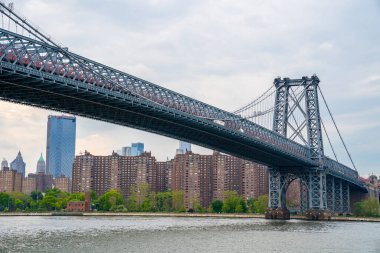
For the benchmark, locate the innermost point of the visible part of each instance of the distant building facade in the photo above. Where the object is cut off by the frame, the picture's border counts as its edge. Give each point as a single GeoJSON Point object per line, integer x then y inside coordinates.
{"type": "Point", "coordinates": [126, 151]}
{"type": "Point", "coordinates": [62, 183]}
{"type": "Point", "coordinates": [41, 165]}
{"type": "Point", "coordinates": [202, 178]}
{"type": "Point", "coordinates": [43, 181]}
{"type": "Point", "coordinates": [183, 147]}
{"type": "Point", "coordinates": [103, 173]}
{"type": "Point", "coordinates": [60, 148]}
{"type": "Point", "coordinates": [137, 149]}
{"type": "Point", "coordinates": [10, 180]}
{"type": "Point", "coordinates": [255, 181]}
{"type": "Point", "coordinates": [18, 164]}
{"type": "Point", "coordinates": [29, 185]}
{"type": "Point", "coordinates": [4, 164]}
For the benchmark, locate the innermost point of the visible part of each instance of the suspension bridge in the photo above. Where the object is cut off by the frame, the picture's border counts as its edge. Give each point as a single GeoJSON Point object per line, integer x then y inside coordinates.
{"type": "Point", "coordinates": [282, 128]}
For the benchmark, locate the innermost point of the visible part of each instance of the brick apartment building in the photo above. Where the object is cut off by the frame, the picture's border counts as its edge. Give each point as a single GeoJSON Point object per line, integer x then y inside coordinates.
{"type": "Point", "coordinates": [202, 178]}
{"type": "Point", "coordinates": [10, 180]}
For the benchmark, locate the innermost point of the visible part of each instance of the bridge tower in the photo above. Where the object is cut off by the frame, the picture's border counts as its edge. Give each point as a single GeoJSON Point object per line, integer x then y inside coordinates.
{"type": "Point", "coordinates": [298, 98]}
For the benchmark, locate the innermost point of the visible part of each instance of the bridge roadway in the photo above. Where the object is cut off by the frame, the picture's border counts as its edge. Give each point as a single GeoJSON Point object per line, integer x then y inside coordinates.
{"type": "Point", "coordinates": [38, 74]}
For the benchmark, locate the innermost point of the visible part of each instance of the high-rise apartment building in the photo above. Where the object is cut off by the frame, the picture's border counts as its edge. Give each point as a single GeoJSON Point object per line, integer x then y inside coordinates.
{"type": "Point", "coordinates": [137, 149]}
{"type": "Point", "coordinates": [29, 184]}
{"type": "Point", "coordinates": [18, 164]}
{"type": "Point", "coordinates": [162, 175]}
{"type": "Point", "coordinates": [254, 181]}
{"type": "Point", "coordinates": [43, 181]}
{"type": "Point", "coordinates": [202, 178]}
{"type": "Point", "coordinates": [41, 165]}
{"type": "Point", "coordinates": [227, 175]}
{"type": "Point", "coordinates": [10, 180]}
{"type": "Point", "coordinates": [192, 174]}
{"type": "Point", "coordinates": [62, 183]}
{"type": "Point", "coordinates": [60, 148]}
{"type": "Point", "coordinates": [103, 173]}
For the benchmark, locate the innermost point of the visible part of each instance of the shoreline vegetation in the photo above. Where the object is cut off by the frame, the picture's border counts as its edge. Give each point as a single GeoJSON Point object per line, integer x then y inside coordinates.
{"type": "Point", "coordinates": [179, 215]}
{"type": "Point", "coordinates": [143, 202]}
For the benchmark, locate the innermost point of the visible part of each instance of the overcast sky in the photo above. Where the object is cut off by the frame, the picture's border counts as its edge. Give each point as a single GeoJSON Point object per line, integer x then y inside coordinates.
{"type": "Point", "coordinates": [224, 53]}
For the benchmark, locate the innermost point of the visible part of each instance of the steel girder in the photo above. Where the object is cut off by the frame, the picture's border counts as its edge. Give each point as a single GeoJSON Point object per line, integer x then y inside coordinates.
{"type": "Point", "coordinates": [280, 118]}
{"type": "Point", "coordinates": [338, 195]}
{"type": "Point", "coordinates": [313, 119]}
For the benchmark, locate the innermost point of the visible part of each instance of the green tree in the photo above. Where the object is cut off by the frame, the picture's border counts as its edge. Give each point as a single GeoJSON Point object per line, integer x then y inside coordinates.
{"type": "Point", "coordinates": [369, 207]}
{"type": "Point", "coordinates": [132, 200]}
{"type": "Point", "coordinates": [4, 201]}
{"type": "Point", "coordinates": [178, 201]}
{"type": "Point", "coordinates": [217, 206]}
{"type": "Point", "coordinates": [19, 204]}
{"type": "Point", "coordinates": [48, 202]}
{"type": "Point", "coordinates": [251, 205]}
{"type": "Point", "coordinates": [164, 201]}
{"type": "Point", "coordinates": [110, 200]}
{"type": "Point", "coordinates": [37, 195]}
{"type": "Point", "coordinates": [233, 203]}
{"type": "Point", "coordinates": [76, 196]}
{"type": "Point", "coordinates": [261, 204]}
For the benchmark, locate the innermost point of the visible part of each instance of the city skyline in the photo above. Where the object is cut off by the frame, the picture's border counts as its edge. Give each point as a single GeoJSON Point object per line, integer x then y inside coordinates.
{"type": "Point", "coordinates": [356, 109]}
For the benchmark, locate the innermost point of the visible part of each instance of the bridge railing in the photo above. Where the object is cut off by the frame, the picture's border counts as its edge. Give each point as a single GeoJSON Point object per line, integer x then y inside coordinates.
{"type": "Point", "coordinates": [30, 53]}
{"type": "Point", "coordinates": [342, 171]}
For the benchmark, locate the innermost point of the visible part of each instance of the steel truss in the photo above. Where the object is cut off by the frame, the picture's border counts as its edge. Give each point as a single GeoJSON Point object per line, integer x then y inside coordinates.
{"type": "Point", "coordinates": [312, 188]}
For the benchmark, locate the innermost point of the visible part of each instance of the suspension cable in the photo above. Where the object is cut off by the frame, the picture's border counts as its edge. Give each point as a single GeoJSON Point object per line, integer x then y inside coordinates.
{"type": "Point", "coordinates": [336, 127]}
{"type": "Point", "coordinates": [328, 138]}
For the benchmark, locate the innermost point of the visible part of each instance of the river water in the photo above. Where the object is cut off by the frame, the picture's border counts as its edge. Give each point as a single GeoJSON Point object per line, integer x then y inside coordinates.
{"type": "Point", "coordinates": [166, 234]}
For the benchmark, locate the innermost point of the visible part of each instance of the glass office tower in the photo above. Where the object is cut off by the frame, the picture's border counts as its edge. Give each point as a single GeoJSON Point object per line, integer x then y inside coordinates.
{"type": "Point", "coordinates": [137, 149]}
{"type": "Point", "coordinates": [60, 147]}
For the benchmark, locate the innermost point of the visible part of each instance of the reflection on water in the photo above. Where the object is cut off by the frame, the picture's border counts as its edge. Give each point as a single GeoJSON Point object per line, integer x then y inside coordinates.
{"type": "Point", "coordinates": [141, 234]}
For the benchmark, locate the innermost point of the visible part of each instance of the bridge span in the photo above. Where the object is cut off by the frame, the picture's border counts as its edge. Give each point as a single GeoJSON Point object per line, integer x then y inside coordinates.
{"type": "Point", "coordinates": [38, 72]}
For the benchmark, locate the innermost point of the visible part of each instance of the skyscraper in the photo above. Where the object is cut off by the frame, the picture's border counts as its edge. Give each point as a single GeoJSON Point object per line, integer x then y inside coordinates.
{"type": "Point", "coordinates": [18, 164]}
{"type": "Point", "coordinates": [137, 149]}
{"type": "Point", "coordinates": [126, 151]}
{"type": "Point", "coordinates": [41, 165]}
{"type": "Point", "coordinates": [185, 146]}
{"type": "Point", "coordinates": [4, 163]}
{"type": "Point", "coordinates": [60, 148]}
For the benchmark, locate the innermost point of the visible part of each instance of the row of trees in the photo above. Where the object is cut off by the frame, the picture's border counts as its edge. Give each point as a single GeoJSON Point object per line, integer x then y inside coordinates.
{"type": "Point", "coordinates": [140, 200]}
{"type": "Point", "coordinates": [53, 199]}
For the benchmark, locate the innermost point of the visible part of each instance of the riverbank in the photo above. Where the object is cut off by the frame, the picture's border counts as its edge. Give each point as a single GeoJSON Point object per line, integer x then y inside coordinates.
{"type": "Point", "coordinates": [198, 215]}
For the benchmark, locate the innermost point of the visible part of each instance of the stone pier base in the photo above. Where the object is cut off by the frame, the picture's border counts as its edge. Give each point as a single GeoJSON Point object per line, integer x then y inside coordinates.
{"type": "Point", "coordinates": [277, 214]}
{"type": "Point", "coordinates": [316, 214]}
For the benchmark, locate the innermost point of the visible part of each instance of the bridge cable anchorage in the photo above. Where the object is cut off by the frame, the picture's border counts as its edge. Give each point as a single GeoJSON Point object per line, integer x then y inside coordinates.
{"type": "Point", "coordinates": [336, 127]}
{"type": "Point", "coordinates": [328, 138]}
